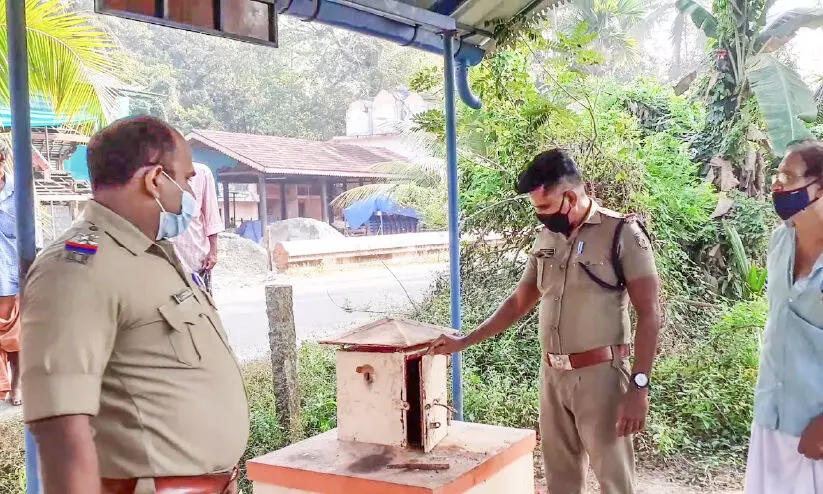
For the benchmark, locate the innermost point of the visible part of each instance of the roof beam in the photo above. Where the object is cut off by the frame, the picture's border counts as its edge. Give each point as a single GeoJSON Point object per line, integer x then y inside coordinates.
{"type": "Point", "coordinates": [446, 7]}
{"type": "Point", "coordinates": [403, 12]}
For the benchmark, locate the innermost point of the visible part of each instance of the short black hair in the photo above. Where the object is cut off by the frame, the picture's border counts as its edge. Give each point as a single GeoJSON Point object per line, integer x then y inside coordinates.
{"type": "Point", "coordinates": [811, 152]}
{"type": "Point", "coordinates": [548, 169]}
{"type": "Point", "coordinates": [119, 150]}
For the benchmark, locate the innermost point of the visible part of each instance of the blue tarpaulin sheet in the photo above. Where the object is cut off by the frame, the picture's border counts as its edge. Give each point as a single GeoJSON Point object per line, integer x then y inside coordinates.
{"type": "Point", "coordinates": [77, 164]}
{"type": "Point", "coordinates": [359, 213]}
{"type": "Point", "coordinates": [42, 115]}
{"type": "Point", "coordinates": [251, 230]}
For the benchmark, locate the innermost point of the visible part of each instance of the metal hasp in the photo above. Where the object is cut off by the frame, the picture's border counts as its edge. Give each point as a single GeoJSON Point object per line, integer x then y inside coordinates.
{"type": "Point", "coordinates": [454, 216]}
{"type": "Point", "coordinates": [393, 21]}
{"type": "Point", "coordinates": [23, 176]}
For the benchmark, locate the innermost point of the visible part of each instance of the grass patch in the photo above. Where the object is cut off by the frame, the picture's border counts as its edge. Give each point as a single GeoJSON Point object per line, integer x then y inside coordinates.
{"type": "Point", "coordinates": [12, 458]}
{"type": "Point", "coordinates": [317, 378]}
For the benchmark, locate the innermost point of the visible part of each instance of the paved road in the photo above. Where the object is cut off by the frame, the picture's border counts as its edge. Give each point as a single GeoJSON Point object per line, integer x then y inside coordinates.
{"type": "Point", "coordinates": [320, 303]}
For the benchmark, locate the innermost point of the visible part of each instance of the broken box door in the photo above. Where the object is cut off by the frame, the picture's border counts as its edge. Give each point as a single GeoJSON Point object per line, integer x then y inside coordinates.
{"type": "Point", "coordinates": [434, 396]}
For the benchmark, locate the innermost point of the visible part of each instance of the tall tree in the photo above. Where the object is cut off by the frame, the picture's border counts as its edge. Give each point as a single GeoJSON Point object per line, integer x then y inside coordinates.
{"type": "Point", "coordinates": [301, 89]}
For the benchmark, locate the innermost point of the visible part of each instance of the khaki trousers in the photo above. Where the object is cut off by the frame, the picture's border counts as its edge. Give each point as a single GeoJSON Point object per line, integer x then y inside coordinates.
{"type": "Point", "coordinates": [578, 424]}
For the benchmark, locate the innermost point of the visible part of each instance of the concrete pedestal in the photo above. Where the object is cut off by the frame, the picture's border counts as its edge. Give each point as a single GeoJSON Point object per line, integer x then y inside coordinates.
{"type": "Point", "coordinates": [482, 459]}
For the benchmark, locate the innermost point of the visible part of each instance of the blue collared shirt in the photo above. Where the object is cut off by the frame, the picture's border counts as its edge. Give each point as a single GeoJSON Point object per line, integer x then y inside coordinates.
{"type": "Point", "coordinates": [9, 264]}
{"type": "Point", "coordinates": [789, 390]}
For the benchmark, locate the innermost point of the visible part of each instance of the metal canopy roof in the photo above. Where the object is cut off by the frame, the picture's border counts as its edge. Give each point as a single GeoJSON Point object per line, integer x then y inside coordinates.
{"type": "Point", "coordinates": [475, 19]}
{"type": "Point", "coordinates": [412, 22]}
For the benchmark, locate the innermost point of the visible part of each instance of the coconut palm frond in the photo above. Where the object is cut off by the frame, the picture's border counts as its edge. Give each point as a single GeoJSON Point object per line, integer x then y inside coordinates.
{"type": "Point", "coordinates": [421, 143]}
{"type": "Point", "coordinates": [364, 192]}
{"type": "Point", "coordinates": [5, 149]}
{"type": "Point", "coordinates": [68, 58]}
{"type": "Point", "coordinates": [423, 172]}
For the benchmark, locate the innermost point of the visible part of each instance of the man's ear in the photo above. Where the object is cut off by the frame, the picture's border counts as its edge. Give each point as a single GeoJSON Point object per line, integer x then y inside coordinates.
{"type": "Point", "coordinates": [150, 181]}
{"type": "Point", "coordinates": [570, 199]}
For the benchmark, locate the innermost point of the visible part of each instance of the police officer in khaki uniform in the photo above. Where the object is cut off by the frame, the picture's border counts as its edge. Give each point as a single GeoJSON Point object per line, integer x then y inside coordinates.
{"type": "Point", "coordinates": [129, 380]}
{"type": "Point", "coordinates": [586, 265]}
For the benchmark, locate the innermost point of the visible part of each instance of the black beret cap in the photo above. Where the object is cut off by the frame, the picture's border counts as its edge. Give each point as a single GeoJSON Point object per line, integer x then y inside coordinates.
{"type": "Point", "coordinates": [547, 169]}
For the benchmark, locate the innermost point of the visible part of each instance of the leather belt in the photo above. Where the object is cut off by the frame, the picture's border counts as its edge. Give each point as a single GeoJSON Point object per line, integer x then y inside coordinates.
{"type": "Point", "coordinates": [216, 483]}
{"type": "Point", "coordinates": [587, 358]}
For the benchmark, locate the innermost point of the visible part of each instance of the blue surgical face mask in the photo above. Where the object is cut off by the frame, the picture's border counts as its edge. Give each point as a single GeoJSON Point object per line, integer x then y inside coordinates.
{"type": "Point", "coordinates": [789, 203]}
{"type": "Point", "coordinates": [172, 225]}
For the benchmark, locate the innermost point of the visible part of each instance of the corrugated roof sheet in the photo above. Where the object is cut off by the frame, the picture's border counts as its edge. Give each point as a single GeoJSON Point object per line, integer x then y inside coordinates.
{"type": "Point", "coordinates": [289, 156]}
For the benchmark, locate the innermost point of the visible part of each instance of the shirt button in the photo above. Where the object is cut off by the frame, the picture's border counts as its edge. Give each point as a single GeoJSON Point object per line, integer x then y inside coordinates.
{"type": "Point", "coordinates": [554, 328]}
{"type": "Point", "coordinates": [556, 299]}
{"type": "Point", "coordinates": [562, 267]}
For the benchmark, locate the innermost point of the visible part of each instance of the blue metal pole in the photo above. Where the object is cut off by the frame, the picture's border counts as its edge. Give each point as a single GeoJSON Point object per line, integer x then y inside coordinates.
{"type": "Point", "coordinates": [32, 468]}
{"type": "Point", "coordinates": [23, 175]}
{"type": "Point", "coordinates": [454, 213]}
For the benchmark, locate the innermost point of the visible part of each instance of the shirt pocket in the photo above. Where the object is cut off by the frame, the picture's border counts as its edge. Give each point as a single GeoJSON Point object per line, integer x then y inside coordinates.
{"type": "Point", "coordinates": [185, 320]}
{"type": "Point", "coordinates": [8, 225]}
{"type": "Point", "coordinates": [596, 263]}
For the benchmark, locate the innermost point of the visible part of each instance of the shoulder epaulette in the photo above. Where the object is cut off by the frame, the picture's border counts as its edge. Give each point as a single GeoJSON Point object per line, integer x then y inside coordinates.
{"type": "Point", "coordinates": [82, 245]}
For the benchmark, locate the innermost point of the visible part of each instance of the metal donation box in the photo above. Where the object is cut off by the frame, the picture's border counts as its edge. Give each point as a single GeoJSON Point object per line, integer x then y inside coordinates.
{"type": "Point", "coordinates": [394, 431]}
{"type": "Point", "coordinates": [388, 391]}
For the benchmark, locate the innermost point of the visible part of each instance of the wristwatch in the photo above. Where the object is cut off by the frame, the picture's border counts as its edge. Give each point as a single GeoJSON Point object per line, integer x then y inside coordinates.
{"type": "Point", "coordinates": [640, 380]}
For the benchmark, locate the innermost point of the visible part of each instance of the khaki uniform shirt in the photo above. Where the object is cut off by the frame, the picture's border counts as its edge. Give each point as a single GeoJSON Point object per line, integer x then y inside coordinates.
{"type": "Point", "coordinates": [130, 339]}
{"type": "Point", "coordinates": [575, 313]}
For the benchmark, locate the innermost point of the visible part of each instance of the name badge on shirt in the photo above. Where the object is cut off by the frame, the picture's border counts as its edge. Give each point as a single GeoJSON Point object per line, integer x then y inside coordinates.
{"type": "Point", "coordinates": [183, 295]}
{"type": "Point", "coordinates": [545, 253]}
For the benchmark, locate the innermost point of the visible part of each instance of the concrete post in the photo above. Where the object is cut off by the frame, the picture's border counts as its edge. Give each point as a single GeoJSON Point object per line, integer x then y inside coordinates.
{"type": "Point", "coordinates": [284, 212]}
{"type": "Point", "coordinates": [283, 345]}
{"type": "Point", "coordinates": [226, 204]}
{"type": "Point", "coordinates": [324, 198]}
{"type": "Point", "coordinates": [263, 212]}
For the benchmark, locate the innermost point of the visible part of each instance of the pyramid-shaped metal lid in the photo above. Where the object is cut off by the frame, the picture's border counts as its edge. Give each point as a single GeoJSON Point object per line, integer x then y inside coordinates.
{"type": "Point", "coordinates": [389, 334]}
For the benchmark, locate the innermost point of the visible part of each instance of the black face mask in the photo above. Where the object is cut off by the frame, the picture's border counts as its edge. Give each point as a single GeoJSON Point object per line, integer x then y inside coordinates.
{"type": "Point", "coordinates": [557, 222]}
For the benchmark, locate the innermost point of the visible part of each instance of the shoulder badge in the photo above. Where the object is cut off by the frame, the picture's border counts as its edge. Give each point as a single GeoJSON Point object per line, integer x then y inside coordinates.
{"type": "Point", "coordinates": [641, 240]}
{"type": "Point", "coordinates": [80, 247]}
{"type": "Point", "coordinates": [610, 213]}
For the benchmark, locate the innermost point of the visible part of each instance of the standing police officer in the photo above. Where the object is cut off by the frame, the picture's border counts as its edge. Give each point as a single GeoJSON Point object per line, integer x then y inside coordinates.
{"type": "Point", "coordinates": [587, 264]}
{"type": "Point", "coordinates": [129, 380]}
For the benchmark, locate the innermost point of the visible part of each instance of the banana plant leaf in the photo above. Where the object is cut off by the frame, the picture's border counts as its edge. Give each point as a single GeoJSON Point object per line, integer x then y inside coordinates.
{"type": "Point", "coordinates": [785, 27]}
{"type": "Point", "coordinates": [701, 17]}
{"type": "Point", "coordinates": [785, 100]}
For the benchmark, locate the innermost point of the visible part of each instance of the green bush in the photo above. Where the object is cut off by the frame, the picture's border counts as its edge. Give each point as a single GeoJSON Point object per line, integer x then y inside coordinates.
{"type": "Point", "coordinates": [702, 400]}
{"type": "Point", "coordinates": [316, 377]}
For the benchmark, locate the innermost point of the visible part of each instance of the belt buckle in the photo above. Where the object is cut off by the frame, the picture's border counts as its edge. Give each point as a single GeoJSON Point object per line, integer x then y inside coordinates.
{"type": "Point", "coordinates": [561, 362]}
